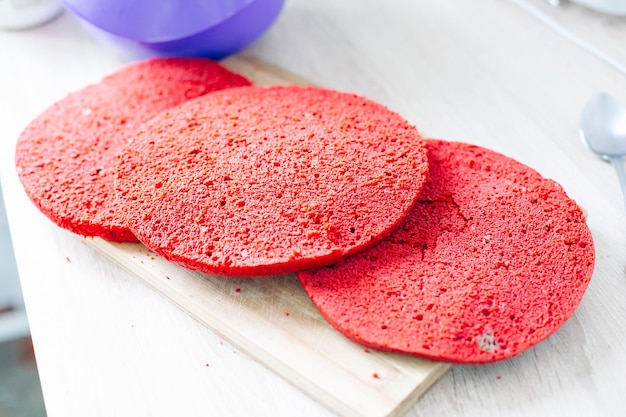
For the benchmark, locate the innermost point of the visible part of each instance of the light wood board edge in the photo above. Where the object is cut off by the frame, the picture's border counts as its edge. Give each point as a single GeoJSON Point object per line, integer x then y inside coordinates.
{"type": "Point", "coordinates": [300, 347]}
{"type": "Point", "coordinates": [263, 73]}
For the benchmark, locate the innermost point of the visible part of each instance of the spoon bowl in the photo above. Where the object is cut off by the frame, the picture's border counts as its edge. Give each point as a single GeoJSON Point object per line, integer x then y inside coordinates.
{"type": "Point", "coordinates": [603, 131]}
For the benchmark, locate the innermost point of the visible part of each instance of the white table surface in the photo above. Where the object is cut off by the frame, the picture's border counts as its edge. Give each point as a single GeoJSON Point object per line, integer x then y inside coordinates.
{"type": "Point", "coordinates": [511, 75]}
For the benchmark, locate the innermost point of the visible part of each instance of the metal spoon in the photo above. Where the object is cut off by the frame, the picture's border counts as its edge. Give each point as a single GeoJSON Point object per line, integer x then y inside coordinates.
{"type": "Point", "coordinates": [603, 131]}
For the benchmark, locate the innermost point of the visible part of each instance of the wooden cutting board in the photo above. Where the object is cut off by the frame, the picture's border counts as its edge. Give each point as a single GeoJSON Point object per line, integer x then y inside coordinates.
{"type": "Point", "coordinates": [274, 322]}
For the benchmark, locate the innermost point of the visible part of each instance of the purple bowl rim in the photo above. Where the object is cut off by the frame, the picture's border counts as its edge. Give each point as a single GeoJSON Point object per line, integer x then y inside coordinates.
{"type": "Point", "coordinates": [115, 27]}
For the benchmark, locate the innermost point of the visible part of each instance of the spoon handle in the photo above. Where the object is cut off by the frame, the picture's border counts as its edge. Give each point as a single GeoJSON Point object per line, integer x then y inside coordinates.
{"type": "Point", "coordinates": [618, 163]}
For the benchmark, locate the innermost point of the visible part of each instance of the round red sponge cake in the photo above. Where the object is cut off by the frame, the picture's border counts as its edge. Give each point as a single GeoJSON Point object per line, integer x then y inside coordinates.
{"type": "Point", "coordinates": [492, 259]}
{"type": "Point", "coordinates": [267, 180]}
{"type": "Point", "coordinates": [65, 157]}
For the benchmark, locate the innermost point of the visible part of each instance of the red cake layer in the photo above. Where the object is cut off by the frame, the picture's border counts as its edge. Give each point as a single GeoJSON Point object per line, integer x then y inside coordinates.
{"type": "Point", "coordinates": [266, 180]}
{"type": "Point", "coordinates": [491, 260]}
{"type": "Point", "coordinates": [65, 157]}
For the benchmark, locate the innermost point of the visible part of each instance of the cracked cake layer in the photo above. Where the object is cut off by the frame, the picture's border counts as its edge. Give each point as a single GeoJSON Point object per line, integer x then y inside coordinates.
{"type": "Point", "coordinates": [267, 180]}
{"type": "Point", "coordinates": [65, 157]}
{"type": "Point", "coordinates": [491, 260]}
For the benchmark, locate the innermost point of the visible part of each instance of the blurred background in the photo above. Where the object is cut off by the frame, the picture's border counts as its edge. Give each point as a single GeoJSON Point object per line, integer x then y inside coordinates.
{"type": "Point", "coordinates": [20, 391]}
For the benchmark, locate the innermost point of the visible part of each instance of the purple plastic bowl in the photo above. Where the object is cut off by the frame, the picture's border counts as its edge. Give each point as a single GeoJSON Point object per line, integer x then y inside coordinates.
{"type": "Point", "coordinates": [217, 42]}
{"type": "Point", "coordinates": [155, 21]}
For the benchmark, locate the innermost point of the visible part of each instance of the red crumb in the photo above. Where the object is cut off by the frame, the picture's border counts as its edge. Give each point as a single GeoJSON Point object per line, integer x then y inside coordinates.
{"type": "Point", "coordinates": [375, 375]}
{"type": "Point", "coordinates": [366, 350]}
{"type": "Point", "coordinates": [68, 259]}
{"type": "Point", "coordinates": [207, 365]}
{"type": "Point", "coordinates": [237, 289]}
{"type": "Point", "coordinates": [498, 377]}
{"type": "Point", "coordinates": [166, 277]}
{"type": "Point", "coordinates": [286, 313]}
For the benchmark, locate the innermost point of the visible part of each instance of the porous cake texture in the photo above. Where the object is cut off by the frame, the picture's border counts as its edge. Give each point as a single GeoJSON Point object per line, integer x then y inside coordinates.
{"type": "Point", "coordinates": [65, 157]}
{"type": "Point", "coordinates": [491, 260]}
{"type": "Point", "coordinates": [267, 180]}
